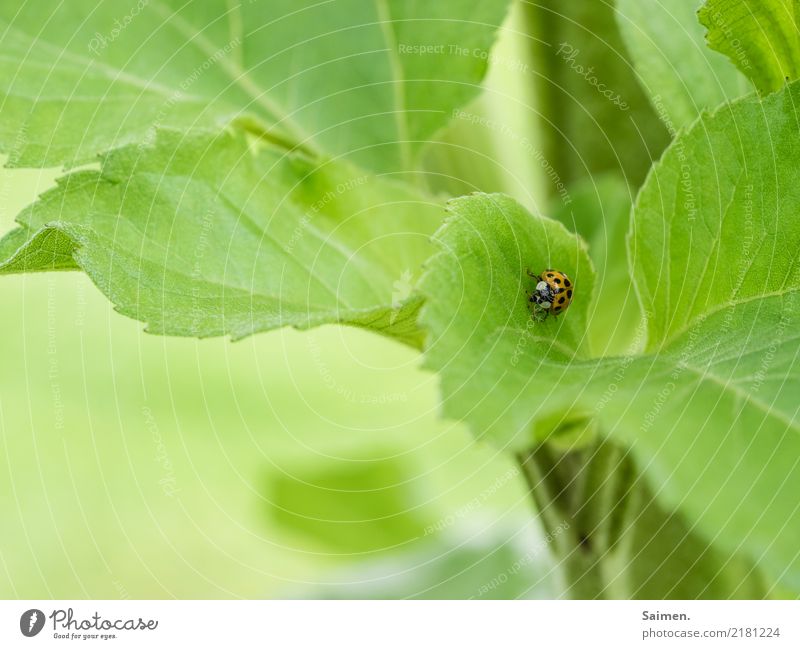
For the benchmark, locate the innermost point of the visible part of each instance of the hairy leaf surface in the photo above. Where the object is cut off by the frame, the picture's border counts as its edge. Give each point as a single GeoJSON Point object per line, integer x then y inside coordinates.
{"type": "Point", "coordinates": [760, 37]}
{"type": "Point", "coordinates": [346, 77]}
{"type": "Point", "coordinates": [675, 67]}
{"type": "Point", "coordinates": [207, 235]}
{"type": "Point", "coordinates": [711, 410]}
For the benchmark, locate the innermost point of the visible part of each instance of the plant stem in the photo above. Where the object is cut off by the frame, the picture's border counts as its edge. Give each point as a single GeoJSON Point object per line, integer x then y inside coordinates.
{"type": "Point", "coordinates": [583, 497]}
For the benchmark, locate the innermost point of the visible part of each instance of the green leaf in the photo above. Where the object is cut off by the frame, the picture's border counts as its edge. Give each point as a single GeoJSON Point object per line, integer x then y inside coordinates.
{"type": "Point", "coordinates": [345, 77]}
{"type": "Point", "coordinates": [478, 317]}
{"type": "Point", "coordinates": [207, 235]}
{"type": "Point", "coordinates": [711, 410]}
{"type": "Point", "coordinates": [760, 37]}
{"type": "Point", "coordinates": [715, 228]}
{"type": "Point", "coordinates": [715, 256]}
{"type": "Point", "coordinates": [679, 73]}
{"type": "Point", "coordinates": [667, 559]}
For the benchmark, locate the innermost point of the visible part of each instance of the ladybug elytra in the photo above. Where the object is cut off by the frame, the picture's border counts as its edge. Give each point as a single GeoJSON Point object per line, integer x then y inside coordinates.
{"type": "Point", "coordinates": [552, 293]}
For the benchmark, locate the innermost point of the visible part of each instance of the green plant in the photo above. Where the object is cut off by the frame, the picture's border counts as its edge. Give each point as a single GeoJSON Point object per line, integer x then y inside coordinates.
{"type": "Point", "coordinates": [283, 163]}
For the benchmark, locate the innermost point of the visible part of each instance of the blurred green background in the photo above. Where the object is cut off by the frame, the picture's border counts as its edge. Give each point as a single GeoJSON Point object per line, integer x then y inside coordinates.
{"type": "Point", "coordinates": [289, 464]}
{"type": "Point", "coordinates": [286, 465]}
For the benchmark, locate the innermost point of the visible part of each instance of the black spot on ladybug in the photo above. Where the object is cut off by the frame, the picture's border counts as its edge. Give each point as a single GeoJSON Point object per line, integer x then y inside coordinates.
{"type": "Point", "coordinates": [567, 283]}
{"type": "Point", "coordinates": [561, 300]}
{"type": "Point", "coordinates": [569, 294]}
{"type": "Point", "coordinates": [558, 308]}
{"type": "Point", "coordinates": [549, 274]}
{"type": "Point", "coordinates": [557, 280]}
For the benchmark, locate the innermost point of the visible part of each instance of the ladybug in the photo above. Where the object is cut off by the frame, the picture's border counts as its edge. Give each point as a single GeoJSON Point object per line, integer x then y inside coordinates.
{"type": "Point", "coordinates": [552, 293]}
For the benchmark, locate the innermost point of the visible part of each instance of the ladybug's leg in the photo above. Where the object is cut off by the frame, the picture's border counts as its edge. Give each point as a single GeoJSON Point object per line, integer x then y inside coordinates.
{"type": "Point", "coordinates": [530, 274]}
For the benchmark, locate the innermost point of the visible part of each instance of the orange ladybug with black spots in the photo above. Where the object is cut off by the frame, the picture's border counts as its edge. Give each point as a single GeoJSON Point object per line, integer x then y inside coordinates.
{"type": "Point", "coordinates": [552, 293]}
